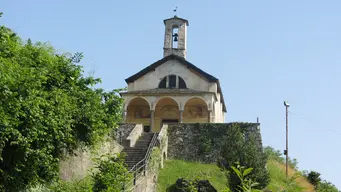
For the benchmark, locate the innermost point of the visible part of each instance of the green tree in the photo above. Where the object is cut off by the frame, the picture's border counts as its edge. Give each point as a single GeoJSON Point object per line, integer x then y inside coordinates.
{"type": "Point", "coordinates": [237, 149]}
{"type": "Point", "coordinates": [325, 186]}
{"type": "Point", "coordinates": [314, 178]}
{"type": "Point", "coordinates": [112, 174]}
{"type": "Point", "coordinates": [47, 108]}
{"type": "Point", "coordinates": [254, 157]}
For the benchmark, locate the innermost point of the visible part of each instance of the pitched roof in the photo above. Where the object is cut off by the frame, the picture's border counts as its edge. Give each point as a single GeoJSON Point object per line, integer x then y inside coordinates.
{"type": "Point", "coordinates": [176, 17]}
{"type": "Point", "coordinates": [183, 61]}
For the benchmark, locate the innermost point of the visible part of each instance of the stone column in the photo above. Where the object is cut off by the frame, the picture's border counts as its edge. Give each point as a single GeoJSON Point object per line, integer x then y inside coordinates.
{"type": "Point", "coordinates": [209, 116]}
{"type": "Point", "coordinates": [180, 116]}
{"type": "Point", "coordinates": [151, 120]}
{"type": "Point", "coordinates": [124, 115]}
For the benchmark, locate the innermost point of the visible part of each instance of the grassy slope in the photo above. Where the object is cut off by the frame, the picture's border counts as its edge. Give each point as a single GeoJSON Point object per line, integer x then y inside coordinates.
{"type": "Point", "coordinates": [277, 174]}
{"type": "Point", "coordinates": [174, 169]}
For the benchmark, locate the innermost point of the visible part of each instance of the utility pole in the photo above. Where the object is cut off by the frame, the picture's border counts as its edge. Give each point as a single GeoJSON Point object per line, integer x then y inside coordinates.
{"type": "Point", "coordinates": [287, 105]}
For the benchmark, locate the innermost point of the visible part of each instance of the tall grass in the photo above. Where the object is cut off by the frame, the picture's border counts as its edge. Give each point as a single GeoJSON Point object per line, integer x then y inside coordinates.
{"type": "Point", "coordinates": [175, 169]}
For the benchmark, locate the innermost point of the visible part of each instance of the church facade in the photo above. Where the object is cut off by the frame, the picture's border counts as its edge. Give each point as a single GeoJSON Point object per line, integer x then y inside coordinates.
{"type": "Point", "coordinates": [173, 90]}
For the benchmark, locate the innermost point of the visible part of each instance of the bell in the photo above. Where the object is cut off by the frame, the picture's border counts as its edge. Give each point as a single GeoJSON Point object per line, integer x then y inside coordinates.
{"type": "Point", "coordinates": [175, 37]}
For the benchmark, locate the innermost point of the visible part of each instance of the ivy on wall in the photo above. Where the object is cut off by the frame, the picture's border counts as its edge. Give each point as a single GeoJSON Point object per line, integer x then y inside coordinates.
{"type": "Point", "coordinates": [155, 160]}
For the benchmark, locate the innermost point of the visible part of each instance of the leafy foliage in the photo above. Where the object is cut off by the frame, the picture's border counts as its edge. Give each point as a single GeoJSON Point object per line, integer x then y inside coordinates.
{"type": "Point", "coordinates": [248, 153]}
{"type": "Point", "coordinates": [112, 174]}
{"type": "Point", "coordinates": [46, 107]}
{"type": "Point", "coordinates": [291, 184]}
{"type": "Point", "coordinates": [84, 185]}
{"type": "Point", "coordinates": [278, 156]}
{"type": "Point", "coordinates": [326, 186]}
{"type": "Point", "coordinates": [314, 178]}
{"type": "Point", "coordinates": [154, 161]}
{"type": "Point", "coordinates": [246, 184]}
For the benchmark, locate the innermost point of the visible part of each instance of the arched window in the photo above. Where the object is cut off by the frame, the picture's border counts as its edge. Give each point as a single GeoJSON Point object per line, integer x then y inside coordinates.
{"type": "Point", "coordinates": [163, 83]}
{"type": "Point", "coordinates": [172, 81]}
{"type": "Point", "coordinates": [182, 84]}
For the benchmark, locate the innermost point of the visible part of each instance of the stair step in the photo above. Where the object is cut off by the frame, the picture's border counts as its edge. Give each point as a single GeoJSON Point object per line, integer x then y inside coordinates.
{"type": "Point", "coordinates": [135, 154]}
{"type": "Point", "coordinates": [134, 157]}
{"type": "Point", "coordinates": [135, 149]}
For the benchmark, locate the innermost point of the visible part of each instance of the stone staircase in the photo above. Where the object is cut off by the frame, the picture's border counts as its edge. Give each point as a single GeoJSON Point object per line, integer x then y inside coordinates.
{"type": "Point", "coordinates": [138, 152]}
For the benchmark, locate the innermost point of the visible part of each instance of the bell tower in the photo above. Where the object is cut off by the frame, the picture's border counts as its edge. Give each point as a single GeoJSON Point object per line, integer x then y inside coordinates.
{"type": "Point", "coordinates": [175, 37]}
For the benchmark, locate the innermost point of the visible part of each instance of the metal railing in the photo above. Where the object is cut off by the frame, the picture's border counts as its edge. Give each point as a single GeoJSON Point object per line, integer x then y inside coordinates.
{"type": "Point", "coordinates": [140, 168]}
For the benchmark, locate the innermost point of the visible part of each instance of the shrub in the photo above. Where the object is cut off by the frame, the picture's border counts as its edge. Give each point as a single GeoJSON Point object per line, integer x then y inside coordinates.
{"type": "Point", "coordinates": [84, 185]}
{"type": "Point", "coordinates": [248, 153]}
{"type": "Point", "coordinates": [326, 186]}
{"type": "Point", "coordinates": [154, 161]}
{"type": "Point", "coordinates": [111, 174]}
{"type": "Point", "coordinates": [246, 184]}
{"type": "Point", "coordinates": [314, 178]}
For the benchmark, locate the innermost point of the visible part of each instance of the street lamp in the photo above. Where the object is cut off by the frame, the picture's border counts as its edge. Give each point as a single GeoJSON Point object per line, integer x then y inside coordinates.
{"type": "Point", "coordinates": [287, 105]}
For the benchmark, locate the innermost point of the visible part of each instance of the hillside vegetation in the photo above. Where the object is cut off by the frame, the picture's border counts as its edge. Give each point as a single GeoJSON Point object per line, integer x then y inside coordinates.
{"type": "Point", "coordinates": [175, 169]}
{"type": "Point", "coordinates": [278, 178]}
{"type": "Point", "coordinates": [48, 109]}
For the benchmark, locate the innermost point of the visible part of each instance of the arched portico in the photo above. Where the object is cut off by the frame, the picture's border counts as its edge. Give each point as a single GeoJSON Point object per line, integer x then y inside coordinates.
{"type": "Point", "coordinates": [196, 111]}
{"type": "Point", "coordinates": [154, 110]}
{"type": "Point", "coordinates": [138, 111]}
{"type": "Point", "coordinates": [166, 111]}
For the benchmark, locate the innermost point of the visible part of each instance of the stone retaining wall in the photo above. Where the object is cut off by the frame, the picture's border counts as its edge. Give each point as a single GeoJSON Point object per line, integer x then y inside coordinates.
{"type": "Point", "coordinates": [76, 167]}
{"type": "Point", "coordinates": [203, 142]}
{"type": "Point", "coordinates": [123, 131]}
{"type": "Point", "coordinates": [135, 135]}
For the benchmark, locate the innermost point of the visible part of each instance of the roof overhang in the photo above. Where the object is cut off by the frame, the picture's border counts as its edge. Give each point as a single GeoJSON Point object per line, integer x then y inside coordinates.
{"type": "Point", "coordinates": [176, 18]}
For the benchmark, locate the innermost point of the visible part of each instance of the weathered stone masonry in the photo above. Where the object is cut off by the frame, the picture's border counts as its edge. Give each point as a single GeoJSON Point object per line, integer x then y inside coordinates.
{"type": "Point", "coordinates": [203, 142]}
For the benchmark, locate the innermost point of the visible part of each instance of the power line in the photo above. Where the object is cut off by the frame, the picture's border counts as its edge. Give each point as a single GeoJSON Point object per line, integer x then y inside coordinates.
{"type": "Point", "coordinates": [313, 123]}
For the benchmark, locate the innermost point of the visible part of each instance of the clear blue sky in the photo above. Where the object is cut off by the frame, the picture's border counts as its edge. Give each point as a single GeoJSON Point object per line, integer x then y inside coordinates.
{"type": "Point", "coordinates": [263, 52]}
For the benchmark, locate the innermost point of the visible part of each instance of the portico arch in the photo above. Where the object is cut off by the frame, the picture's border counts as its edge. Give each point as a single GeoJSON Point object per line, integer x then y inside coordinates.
{"type": "Point", "coordinates": [138, 111]}
{"type": "Point", "coordinates": [166, 111]}
{"type": "Point", "coordinates": [157, 101]}
{"type": "Point", "coordinates": [196, 111]}
{"type": "Point", "coordinates": [133, 99]}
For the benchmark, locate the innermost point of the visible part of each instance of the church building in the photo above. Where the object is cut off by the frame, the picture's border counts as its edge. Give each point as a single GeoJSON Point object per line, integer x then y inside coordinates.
{"type": "Point", "coordinates": [173, 90]}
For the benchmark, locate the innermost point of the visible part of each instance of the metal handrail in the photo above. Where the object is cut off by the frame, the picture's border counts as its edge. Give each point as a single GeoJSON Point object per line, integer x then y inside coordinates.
{"type": "Point", "coordinates": [151, 145]}
{"type": "Point", "coordinates": [145, 160]}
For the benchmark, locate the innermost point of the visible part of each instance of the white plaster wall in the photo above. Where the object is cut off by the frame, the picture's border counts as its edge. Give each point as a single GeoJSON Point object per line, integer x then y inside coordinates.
{"type": "Point", "coordinates": [151, 80]}
{"type": "Point", "coordinates": [218, 110]}
{"type": "Point", "coordinates": [213, 87]}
